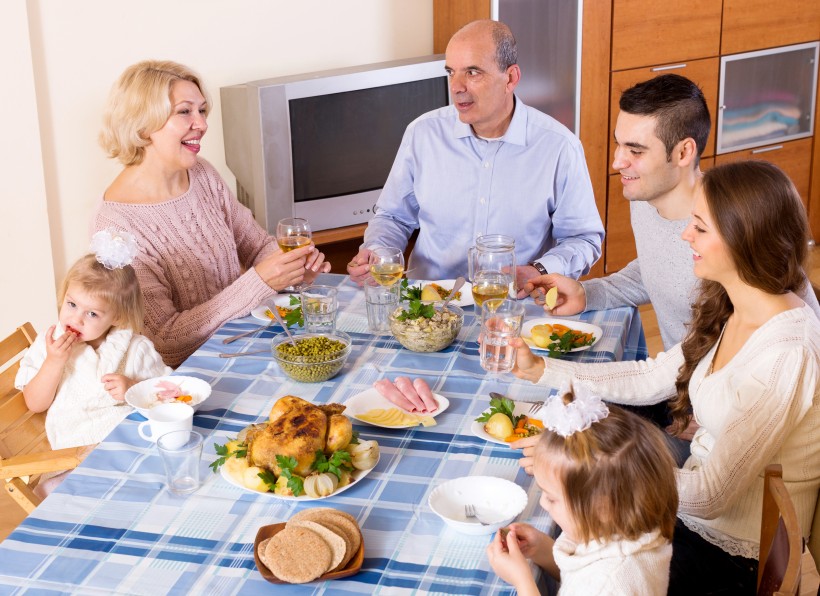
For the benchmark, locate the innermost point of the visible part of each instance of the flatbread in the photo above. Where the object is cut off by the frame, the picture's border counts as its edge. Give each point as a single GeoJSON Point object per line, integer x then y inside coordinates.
{"type": "Point", "coordinates": [344, 521]}
{"type": "Point", "coordinates": [297, 555]}
{"type": "Point", "coordinates": [337, 544]}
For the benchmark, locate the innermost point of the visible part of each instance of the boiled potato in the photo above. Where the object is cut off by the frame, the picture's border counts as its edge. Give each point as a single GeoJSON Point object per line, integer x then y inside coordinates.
{"type": "Point", "coordinates": [541, 335]}
{"type": "Point", "coordinates": [499, 426]}
{"type": "Point", "coordinates": [551, 298]}
{"type": "Point", "coordinates": [252, 480]}
{"type": "Point", "coordinates": [233, 446]}
{"type": "Point", "coordinates": [429, 294]}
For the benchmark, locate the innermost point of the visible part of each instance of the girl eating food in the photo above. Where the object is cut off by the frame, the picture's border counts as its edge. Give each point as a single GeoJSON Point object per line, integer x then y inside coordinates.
{"type": "Point", "coordinates": [608, 483]}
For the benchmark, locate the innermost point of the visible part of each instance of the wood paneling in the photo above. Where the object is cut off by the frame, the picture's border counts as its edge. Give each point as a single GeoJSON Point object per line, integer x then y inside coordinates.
{"type": "Point", "coordinates": [757, 24]}
{"type": "Point", "coordinates": [596, 37]}
{"type": "Point", "coordinates": [647, 32]}
{"type": "Point", "coordinates": [814, 194]}
{"type": "Point", "coordinates": [793, 157]}
{"type": "Point", "coordinates": [706, 73]}
{"type": "Point", "coordinates": [451, 15]}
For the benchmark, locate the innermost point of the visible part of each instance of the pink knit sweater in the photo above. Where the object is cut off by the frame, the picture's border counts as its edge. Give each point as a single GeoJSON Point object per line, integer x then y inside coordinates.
{"type": "Point", "coordinates": [193, 250]}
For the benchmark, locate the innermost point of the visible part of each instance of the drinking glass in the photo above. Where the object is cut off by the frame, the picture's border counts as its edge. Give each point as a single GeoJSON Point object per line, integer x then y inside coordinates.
{"type": "Point", "coordinates": [501, 322]}
{"type": "Point", "coordinates": [319, 308]}
{"type": "Point", "coordinates": [380, 302]}
{"type": "Point", "coordinates": [490, 285]}
{"type": "Point", "coordinates": [181, 452]}
{"type": "Point", "coordinates": [386, 265]}
{"type": "Point", "coordinates": [293, 233]}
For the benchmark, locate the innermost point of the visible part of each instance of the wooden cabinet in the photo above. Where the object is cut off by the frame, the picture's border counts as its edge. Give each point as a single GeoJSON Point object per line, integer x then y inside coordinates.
{"type": "Point", "coordinates": [647, 32]}
{"type": "Point", "coordinates": [793, 157]}
{"type": "Point", "coordinates": [703, 72]}
{"type": "Point", "coordinates": [757, 24]}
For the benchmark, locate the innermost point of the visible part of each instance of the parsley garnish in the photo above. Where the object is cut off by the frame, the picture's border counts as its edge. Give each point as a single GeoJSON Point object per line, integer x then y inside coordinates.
{"type": "Point", "coordinates": [294, 317]}
{"type": "Point", "coordinates": [409, 292]}
{"type": "Point", "coordinates": [339, 462]}
{"type": "Point", "coordinates": [500, 406]}
{"type": "Point", "coordinates": [286, 464]}
{"type": "Point", "coordinates": [564, 343]}
{"type": "Point", "coordinates": [268, 478]}
{"type": "Point", "coordinates": [222, 450]}
{"type": "Point", "coordinates": [417, 309]}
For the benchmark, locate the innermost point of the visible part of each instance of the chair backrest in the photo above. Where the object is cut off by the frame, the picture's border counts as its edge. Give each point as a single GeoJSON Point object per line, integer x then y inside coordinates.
{"type": "Point", "coordinates": [781, 541]}
{"type": "Point", "coordinates": [21, 430]}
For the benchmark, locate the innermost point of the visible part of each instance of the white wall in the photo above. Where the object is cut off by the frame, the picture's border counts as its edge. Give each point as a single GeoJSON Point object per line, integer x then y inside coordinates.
{"type": "Point", "coordinates": [79, 47]}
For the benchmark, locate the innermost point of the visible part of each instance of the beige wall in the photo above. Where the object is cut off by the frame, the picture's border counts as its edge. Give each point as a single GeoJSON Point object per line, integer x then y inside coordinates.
{"type": "Point", "coordinates": [66, 54]}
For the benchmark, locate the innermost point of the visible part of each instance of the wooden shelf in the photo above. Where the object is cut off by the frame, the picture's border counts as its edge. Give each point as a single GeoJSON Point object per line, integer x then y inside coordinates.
{"type": "Point", "coordinates": [338, 234]}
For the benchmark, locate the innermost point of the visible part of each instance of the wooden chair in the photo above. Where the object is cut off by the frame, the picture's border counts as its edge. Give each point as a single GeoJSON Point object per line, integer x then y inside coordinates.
{"type": "Point", "coordinates": [781, 541]}
{"type": "Point", "coordinates": [24, 450]}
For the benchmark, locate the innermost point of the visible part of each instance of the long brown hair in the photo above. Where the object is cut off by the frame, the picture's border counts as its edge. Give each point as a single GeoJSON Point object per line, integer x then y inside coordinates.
{"type": "Point", "coordinates": [618, 476]}
{"type": "Point", "coordinates": [762, 221]}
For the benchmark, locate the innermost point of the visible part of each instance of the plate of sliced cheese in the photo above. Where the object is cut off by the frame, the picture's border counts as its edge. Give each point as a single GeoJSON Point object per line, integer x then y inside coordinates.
{"type": "Point", "coordinates": [371, 407]}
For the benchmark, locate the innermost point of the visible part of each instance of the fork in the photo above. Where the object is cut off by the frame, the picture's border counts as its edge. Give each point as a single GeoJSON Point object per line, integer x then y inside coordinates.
{"type": "Point", "coordinates": [470, 513]}
{"type": "Point", "coordinates": [233, 338]}
{"type": "Point", "coordinates": [535, 407]}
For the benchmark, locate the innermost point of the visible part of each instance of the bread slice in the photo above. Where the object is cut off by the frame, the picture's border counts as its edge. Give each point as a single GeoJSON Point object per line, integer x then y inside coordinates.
{"type": "Point", "coordinates": [337, 544]}
{"type": "Point", "coordinates": [337, 521]}
{"type": "Point", "coordinates": [297, 555]}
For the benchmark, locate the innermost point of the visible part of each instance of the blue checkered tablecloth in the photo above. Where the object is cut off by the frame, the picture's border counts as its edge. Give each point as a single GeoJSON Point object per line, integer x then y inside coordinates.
{"type": "Point", "coordinates": [112, 526]}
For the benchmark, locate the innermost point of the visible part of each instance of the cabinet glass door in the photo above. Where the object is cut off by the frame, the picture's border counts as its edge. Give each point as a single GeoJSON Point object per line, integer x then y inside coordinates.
{"type": "Point", "coordinates": [767, 96]}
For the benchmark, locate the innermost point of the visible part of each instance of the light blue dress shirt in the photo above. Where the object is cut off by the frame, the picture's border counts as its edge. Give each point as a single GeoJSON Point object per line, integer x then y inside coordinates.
{"type": "Point", "coordinates": [531, 184]}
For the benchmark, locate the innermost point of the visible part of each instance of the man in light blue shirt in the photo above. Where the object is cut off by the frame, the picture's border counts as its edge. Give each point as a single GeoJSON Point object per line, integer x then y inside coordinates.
{"type": "Point", "coordinates": [487, 164]}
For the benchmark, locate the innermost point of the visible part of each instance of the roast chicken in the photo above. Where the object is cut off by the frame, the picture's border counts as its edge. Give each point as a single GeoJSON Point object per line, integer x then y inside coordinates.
{"type": "Point", "coordinates": [298, 429]}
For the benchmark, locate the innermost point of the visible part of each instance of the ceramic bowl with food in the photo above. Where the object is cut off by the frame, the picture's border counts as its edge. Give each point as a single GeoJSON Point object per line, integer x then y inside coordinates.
{"type": "Point", "coordinates": [146, 394]}
{"type": "Point", "coordinates": [314, 358]}
{"type": "Point", "coordinates": [497, 503]}
{"type": "Point", "coordinates": [427, 335]}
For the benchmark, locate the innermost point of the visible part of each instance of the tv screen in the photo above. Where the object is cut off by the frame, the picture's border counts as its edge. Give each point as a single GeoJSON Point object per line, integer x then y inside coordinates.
{"type": "Point", "coordinates": [345, 143]}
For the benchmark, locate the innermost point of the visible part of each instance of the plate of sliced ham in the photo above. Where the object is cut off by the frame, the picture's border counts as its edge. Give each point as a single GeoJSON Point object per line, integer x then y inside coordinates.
{"type": "Point", "coordinates": [397, 404]}
{"type": "Point", "coordinates": [145, 395]}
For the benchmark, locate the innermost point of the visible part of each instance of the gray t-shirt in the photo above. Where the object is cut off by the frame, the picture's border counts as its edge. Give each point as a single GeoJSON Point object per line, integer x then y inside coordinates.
{"type": "Point", "coordinates": [663, 274]}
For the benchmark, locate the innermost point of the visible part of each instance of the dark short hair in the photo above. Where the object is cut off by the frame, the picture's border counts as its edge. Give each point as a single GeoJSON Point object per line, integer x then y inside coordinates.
{"type": "Point", "coordinates": [678, 106]}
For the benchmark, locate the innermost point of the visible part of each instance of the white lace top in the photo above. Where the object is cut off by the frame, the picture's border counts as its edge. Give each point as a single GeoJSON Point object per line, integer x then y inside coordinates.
{"type": "Point", "coordinates": [760, 408]}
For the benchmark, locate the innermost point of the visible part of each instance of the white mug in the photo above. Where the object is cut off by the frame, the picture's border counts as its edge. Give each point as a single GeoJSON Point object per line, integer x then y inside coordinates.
{"type": "Point", "coordinates": [166, 418]}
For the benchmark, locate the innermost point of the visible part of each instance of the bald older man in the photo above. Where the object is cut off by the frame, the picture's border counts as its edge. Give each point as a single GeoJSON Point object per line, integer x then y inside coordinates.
{"type": "Point", "coordinates": [486, 164]}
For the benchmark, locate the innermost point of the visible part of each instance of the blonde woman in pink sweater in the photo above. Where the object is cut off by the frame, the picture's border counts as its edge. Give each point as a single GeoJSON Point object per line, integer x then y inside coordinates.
{"type": "Point", "coordinates": [203, 259]}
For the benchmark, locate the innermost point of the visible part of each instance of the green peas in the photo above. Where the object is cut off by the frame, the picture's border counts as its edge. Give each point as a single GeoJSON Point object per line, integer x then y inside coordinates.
{"type": "Point", "coordinates": [311, 359]}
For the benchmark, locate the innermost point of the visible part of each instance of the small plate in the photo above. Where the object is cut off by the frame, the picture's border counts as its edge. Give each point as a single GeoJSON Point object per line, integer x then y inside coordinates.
{"type": "Point", "coordinates": [367, 400]}
{"type": "Point", "coordinates": [466, 290]}
{"type": "Point", "coordinates": [356, 475]}
{"type": "Point", "coordinates": [142, 395]}
{"type": "Point", "coordinates": [259, 311]}
{"type": "Point", "coordinates": [596, 331]}
{"type": "Point", "coordinates": [266, 532]}
{"type": "Point", "coordinates": [521, 407]}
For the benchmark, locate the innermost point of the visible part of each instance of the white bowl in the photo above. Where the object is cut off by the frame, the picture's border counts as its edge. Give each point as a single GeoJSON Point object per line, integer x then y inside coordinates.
{"type": "Point", "coordinates": [497, 502]}
{"type": "Point", "coordinates": [142, 396]}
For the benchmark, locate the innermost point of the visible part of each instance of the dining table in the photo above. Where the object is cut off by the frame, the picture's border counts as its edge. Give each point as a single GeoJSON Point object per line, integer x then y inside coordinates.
{"type": "Point", "coordinates": [113, 527]}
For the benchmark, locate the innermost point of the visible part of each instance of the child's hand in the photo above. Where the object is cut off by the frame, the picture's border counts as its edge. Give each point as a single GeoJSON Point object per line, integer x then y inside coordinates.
{"type": "Point", "coordinates": [527, 447]}
{"type": "Point", "coordinates": [58, 350]}
{"type": "Point", "coordinates": [529, 540]}
{"type": "Point", "coordinates": [510, 563]}
{"type": "Point", "coordinates": [116, 385]}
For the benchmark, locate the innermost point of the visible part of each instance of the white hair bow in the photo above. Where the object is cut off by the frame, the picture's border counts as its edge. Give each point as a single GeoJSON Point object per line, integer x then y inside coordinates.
{"type": "Point", "coordinates": [114, 248]}
{"type": "Point", "coordinates": [578, 415]}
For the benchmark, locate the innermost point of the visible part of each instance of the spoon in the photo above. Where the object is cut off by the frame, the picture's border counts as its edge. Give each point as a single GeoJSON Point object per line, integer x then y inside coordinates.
{"type": "Point", "coordinates": [238, 354]}
{"type": "Point", "coordinates": [456, 287]}
{"type": "Point", "coordinates": [279, 320]}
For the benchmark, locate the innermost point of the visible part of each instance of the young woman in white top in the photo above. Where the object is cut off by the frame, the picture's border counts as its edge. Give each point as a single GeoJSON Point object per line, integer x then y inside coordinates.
{"type": "Point", "coordinates": [747, 371]}
{"type": "Point", "coordinates": [608, 482]}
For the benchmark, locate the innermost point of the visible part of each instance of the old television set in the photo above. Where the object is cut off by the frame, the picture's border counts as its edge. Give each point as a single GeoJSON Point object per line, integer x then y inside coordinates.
{"type": "Point", "coordinates": [320, 145]}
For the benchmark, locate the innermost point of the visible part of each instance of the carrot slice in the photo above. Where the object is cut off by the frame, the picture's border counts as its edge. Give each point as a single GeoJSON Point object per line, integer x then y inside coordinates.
{"type": "Point", "coordinates": [537, 423]}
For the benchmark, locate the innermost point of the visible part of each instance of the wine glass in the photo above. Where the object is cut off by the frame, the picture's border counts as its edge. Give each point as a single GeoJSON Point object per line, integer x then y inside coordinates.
{"type": "Point", "coordinates": [292, 233]}
{"type": "Point", "coordinates": [386, 265]}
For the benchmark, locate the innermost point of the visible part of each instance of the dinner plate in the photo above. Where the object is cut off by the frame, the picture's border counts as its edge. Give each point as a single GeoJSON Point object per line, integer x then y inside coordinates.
{"type": "Point", "coordinates": [596, 331]}
{"type": "Point", "coordinates": [356, 475]}
{"type": "Point", "coordinates": [466, 290]}
{"type": "Point", "coordinates": [477, 428]}
{"type": "Point", "coordinates": [259, 311]}
{"type": "Point", "coordinates": [367, 400]}
{"type": "Point", "coordinates": [142, 396]}
{"type": "Point", "coordinates": [269, 531]}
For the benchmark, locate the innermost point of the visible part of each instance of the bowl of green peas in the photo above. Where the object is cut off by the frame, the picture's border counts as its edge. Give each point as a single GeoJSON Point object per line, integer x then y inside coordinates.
{"type": "Point", "coordinates": [311, 357]}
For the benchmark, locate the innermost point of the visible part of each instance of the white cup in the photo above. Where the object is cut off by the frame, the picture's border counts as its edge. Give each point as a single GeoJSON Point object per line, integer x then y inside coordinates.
{"type": "Point", "coordinates": [166, 418]}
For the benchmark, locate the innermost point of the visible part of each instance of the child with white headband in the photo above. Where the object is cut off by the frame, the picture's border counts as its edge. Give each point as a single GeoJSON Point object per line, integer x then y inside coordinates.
{"type": "Point", "coordinates": [608, 483]}
{"type": "Point", "coordinates": [81, 368]}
